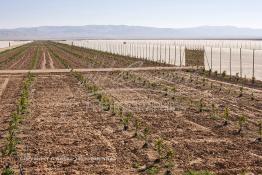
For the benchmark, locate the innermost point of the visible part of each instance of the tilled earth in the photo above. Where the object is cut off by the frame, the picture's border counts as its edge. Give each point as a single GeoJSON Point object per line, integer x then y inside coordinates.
{"type": "Point", "coordinates": [68, 131]}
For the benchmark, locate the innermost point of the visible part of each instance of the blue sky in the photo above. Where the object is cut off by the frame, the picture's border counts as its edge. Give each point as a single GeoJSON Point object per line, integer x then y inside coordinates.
{"type": "Point", "coordinates": [157, 13]}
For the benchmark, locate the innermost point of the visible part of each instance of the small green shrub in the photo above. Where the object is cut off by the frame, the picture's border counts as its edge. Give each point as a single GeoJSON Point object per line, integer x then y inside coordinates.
{"type": "Point", "coordinates": [211, 85]}
{"type": "Point", "coordinates": [169, 164]}
{"type": "Point", "coordinates": [260, 131]}
{"type": "Point", "coordinates": [201, 105]}
{"type": "Point", "coordinates": [215, 73]}
{"type": "Point", "coordinates": [241, 121]}
{"type": "Point", "coordinates": [137, 127]}
{"type": "Point", "coordinates": [209, 72]}
{"type": "Point", "coordinates": [126, 120]}
{"type": "Point", "coordinates": [8, 171]}
{"type": "Point", "coordinates": [159, 146]}
{"type": "Point", "coordinates": [226, 116]}
{"type": "Point", "coordinates": [252, 96]}
{"type": "Point", "coordinates": [213, 111]}
{"type": "Point", "coordinates": [198, 173]}
{"type": "Point", "coordinates": [253, 80]}
{"type": "Point", "coordinates": [146, 132]}
{"type": "Point", "coordinates": [224, 73]}
{"type": "Point", "coordinates": [241, 92]}
{"type": "Point", "coordinates": [152, 170]}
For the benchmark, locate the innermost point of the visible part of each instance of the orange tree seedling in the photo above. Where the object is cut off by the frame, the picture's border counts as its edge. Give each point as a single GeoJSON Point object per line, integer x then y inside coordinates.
{"type": "Point", "coordinates": [146, 132]}
{"type": "Point", "coordinates": [226, 116]}
{"type": "Point", "coordinates": [241, 121]}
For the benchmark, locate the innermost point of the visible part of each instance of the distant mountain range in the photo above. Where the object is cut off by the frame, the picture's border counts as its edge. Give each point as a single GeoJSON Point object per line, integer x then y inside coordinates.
{"type": "Point", "coordinates": [128, 32]}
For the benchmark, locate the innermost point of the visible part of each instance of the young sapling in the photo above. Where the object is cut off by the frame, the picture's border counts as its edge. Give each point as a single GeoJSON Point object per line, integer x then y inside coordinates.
{"type": "Point", "coordinates": [159, 146]}
{"type": "Point", "coordinates": [169, 161]}
{"type": "Point", "coordinates": [241, 92]}
{"type": "Point", "coordinates": [126, 120]}
{"type": "Point", "coordinates": [201, 105]}
{"type": "Point", "coordinates": [224, 74]}
{"type": "Point", "coordinates": [146, 134]}
{"type": "Point", "coordinates": [241, 122]}
{"type": "Point", "coordinates": [259, 139]}
{"type": "Point", "coordinates": [226, 116]}
{"type": "Point", "coordinates": [137, 127]}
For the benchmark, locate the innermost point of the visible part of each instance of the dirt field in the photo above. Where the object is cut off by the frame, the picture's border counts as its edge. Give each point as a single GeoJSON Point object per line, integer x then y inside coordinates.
{"type": "Point", "coordinates": [122, 121]}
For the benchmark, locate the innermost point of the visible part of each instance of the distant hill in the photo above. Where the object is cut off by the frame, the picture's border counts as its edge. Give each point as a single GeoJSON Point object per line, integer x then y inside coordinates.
{"type": "Point", "coordinates": [128, 32]}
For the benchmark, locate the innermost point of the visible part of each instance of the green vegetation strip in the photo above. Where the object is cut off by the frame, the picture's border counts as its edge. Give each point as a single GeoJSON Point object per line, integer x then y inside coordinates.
{"type": "Point", "coordinates": [35, 59]}
{"type": "Point", "coordinates": [13, 49]}
{"type": "Point", "coordinates": [10, 149]}
{"type": "Point", "coordinates": [15, 56]}
{"type": "Point", "coordinates": [57, 57]}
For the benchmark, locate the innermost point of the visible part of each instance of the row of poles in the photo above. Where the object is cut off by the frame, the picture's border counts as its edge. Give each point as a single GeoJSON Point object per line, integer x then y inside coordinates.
{"type": "Point", "coordinates": [162, 52]}
{"type": "Point", "coordinates": [230, 61]}
{"type": "Point", "coordinates": [154, 52]}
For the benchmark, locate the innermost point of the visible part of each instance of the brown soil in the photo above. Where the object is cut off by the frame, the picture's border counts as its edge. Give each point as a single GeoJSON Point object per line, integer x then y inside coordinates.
{"type": "Point", "coordinates": [8, 101]}
{"type": "Point", "coordinates": [68, 132]}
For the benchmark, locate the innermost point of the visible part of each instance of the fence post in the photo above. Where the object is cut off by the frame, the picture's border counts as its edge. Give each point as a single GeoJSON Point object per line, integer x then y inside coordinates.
{"type": "Point", "coordinates": [157, 53]}
{"type": "Point", "coordinates": [165, 53]}
{"type": "Point", "coordinates": [180, 56]}
{"type": "Point", "coordinates": [220, 60]}
{"type": "Point", "coordinates": [129, 52]}
{"type": "Point", "coordinates": [230, 62]}
{"type": "Point", "coordinates": [153, 53]}
{"type": "Point", "coordinates": [211, 59]}
{"type": "Point", "coordinates": [160, 52]}
{"type": "Point", "coordinates": [253, 71]}
{"type": "Point", "coordinates": [240, 62]}
{"type": "Point", "coordinates": [146, 51]}
{"type": "Point", "coordinates": [137, 50]}
{"type": "Point", "coordinates": [169, 56]}
{"type": "Point", "coordinates": [175, 54]}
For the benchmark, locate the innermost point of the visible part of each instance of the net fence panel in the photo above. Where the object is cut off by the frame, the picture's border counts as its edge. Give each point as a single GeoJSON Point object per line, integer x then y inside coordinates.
{"type": "Point", "coordinates": [258, 64]}
{"type": "Point", "coordinates": [173, 52]}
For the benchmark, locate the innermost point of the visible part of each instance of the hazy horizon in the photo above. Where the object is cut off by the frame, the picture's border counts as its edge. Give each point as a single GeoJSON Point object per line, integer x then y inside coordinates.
{"type": "Point", "coordinates": [201, 26]}
{"type": "Point", "coordinates": [148, 13]}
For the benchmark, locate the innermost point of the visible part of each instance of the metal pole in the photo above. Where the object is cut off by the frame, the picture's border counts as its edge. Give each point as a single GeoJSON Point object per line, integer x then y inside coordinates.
{"type": "Point", "coordinates": [220, 59]}
{"type": "Point", "coordinates": [153, 55]}
{"type": "Point", "coordinates": [165, 53]}
{"type": "Point", "coordinates": [211, 59]}
{"type": "Point", "coordinates": [160, 52]}
{"type": "Point", "coordinates": [253, 72]}
{"type": "Point", "coordinates": [241, 62]}
{"type": "Point", "coordinates": [169, 56]}
{"type": "Point", "coordinates": [230, 63]}
{"type": "Point", "coordinates": [130, 49]}
{"type": "Point", "coordinates": [157, 57]}
{"type": "Point", "coordinates": [175, 54]}
{"type": "Point", "coordinates": [146, 52]}
{"type": "Point", "coordinates": [180, 56]}
{"type": "Point", "coordinates": [136, 50]}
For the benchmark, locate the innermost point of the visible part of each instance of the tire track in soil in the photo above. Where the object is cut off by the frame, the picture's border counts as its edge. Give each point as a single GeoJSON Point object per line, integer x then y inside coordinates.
{"type": "Point", "coordinates": [59, 126]}
{"type": "Point", "coordinates": [18, 61]}
{"type": "Point", "coordinates": [43, 64]}
{"type": "Point", "coordinates": [51, 61]}
{"type": "Point", "coordinates": [3, 86]}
